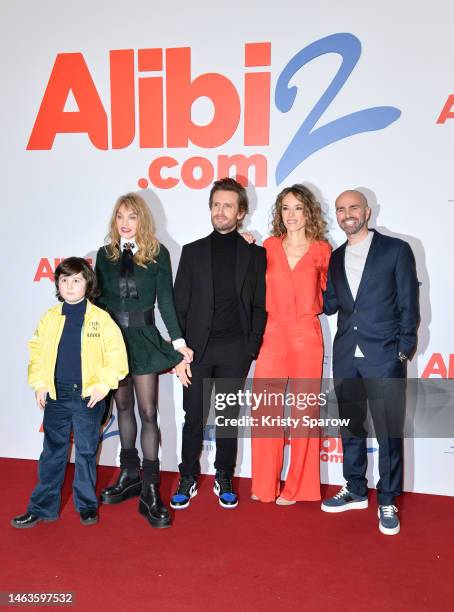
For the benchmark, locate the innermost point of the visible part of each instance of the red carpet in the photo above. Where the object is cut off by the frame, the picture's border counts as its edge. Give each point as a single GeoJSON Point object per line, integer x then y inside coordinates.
{"type": "Point", "coordinates": [257, 557]}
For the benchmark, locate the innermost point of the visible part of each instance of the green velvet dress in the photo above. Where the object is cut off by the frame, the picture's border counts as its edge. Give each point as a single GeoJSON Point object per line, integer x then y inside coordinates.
{"type": "Point", "coordinates": [147, 350]}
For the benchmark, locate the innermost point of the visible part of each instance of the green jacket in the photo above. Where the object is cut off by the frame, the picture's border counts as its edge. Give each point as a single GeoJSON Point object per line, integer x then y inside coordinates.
{"type": "Point", "coordinates": [147, 350]}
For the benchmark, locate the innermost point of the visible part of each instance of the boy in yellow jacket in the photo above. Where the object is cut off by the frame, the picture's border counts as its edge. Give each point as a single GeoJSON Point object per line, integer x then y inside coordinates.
{"type": "Point", "coordinates": [77, 354]}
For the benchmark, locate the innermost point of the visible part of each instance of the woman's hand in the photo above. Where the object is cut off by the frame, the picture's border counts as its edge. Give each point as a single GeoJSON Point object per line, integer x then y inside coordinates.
{"type": "Point", "coordinates": [187, 353]}
{"type": "Point", "coordinates": [248, 237]}
{"type": "Point", "coordinates": [40, 397]}
{"type": "Point", "coordinates": [183, 372]}
{"type": "Point", "coordinates": [96, 396]}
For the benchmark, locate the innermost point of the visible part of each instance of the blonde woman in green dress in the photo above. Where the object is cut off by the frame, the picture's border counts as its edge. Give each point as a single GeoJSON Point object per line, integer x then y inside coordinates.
{"type": "Point", "coordinates": [133, 271]}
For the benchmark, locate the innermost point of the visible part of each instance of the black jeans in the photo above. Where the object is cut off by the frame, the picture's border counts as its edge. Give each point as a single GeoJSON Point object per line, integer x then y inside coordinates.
{"type": "Point", "coordinates": [230, 363]}
{"type": "Point", "coordinates": [383, 388]}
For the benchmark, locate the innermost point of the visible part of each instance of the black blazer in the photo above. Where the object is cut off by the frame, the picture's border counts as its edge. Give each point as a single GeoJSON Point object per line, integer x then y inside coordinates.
{"type": "Point", "coordinates": [383, 320]}
{"type": "Point", "coordinates": [194, 295]}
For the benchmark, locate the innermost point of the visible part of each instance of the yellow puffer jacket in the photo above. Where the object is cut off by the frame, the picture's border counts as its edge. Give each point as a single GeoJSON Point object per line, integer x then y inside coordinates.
{"type": "Point", "coordinates": [103, 353]}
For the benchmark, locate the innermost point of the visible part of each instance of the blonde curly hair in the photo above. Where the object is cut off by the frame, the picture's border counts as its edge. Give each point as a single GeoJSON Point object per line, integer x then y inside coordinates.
{"type": "Point", "coordinates": [147, 243]}
{"type": "Point", "coordinates": [315, 223]}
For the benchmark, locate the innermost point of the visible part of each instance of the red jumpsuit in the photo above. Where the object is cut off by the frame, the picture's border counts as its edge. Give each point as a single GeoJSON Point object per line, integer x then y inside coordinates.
{"type": "Point", "coordinates": [292, 349]}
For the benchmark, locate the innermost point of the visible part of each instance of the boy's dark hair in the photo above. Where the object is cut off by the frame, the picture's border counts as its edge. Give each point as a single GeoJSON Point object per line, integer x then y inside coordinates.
{"type": "Point", "coordinates": [74, 265]}
{"type": "Point", "coordinates": [230, 184]}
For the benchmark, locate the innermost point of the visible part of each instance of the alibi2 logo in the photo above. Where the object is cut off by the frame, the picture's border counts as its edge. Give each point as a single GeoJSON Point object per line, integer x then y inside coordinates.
{"type": "Point", "coordinates": [164, 101]}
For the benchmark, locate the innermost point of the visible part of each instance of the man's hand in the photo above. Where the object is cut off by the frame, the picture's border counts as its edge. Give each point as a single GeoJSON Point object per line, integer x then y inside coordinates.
{"type": "Point", "coordinates": [96, 396]}
{"type": "Point", "coordinates": [183, 372]}
{"type": "Point", "coordinates": [187, 353]}
{"type": "Point", "coordinates": [40, 397]}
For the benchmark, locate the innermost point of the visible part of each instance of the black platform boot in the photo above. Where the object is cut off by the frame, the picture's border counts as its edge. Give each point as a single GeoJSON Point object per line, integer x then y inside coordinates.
{"type": "Point", "coordinates": [150, 503]}
{"type": "Point", "coordinates": [129, 483]}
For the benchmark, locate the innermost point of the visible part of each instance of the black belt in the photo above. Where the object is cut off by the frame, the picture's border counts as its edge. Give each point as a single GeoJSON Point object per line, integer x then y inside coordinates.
{"type": "Point", "coordinates": [135, 318]}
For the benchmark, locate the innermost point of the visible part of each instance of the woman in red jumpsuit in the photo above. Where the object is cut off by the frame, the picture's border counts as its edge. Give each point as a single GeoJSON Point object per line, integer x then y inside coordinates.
{"type": "Point", "coordinates": [297, 264]}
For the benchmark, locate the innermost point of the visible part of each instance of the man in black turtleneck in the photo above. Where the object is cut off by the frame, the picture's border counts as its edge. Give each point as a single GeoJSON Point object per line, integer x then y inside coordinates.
{"type": "Point", "coordinates": [226, 324]}
{"type": "Point", "coordinates": [220, 301]}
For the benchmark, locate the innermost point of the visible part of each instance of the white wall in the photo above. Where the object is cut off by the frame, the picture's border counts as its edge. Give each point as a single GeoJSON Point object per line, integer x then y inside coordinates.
{"type": "Point", "coordinates": [57, 202]}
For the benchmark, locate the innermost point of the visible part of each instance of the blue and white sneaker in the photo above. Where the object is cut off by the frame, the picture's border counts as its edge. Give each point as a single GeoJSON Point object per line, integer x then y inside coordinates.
{"type": "Point", "coordinates": [223, 488]}
{"type": "Point", "coordinates": [345, 500]}
{"type": "Point", "coordinates": [187, 489]}
{"type": "Point", "coordinates": [388, 520]}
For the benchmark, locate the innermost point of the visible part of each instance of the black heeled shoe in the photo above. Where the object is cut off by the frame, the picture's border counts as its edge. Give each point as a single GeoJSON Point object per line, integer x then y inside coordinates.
{"type": "Point", "coordinates": [151, 506]}
{"type": "Point", "coordinates": [129, 484]}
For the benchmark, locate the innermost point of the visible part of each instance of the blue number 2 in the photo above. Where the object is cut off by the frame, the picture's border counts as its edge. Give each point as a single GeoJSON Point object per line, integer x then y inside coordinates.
{"type": "Point", "coordinates": [306, 140]}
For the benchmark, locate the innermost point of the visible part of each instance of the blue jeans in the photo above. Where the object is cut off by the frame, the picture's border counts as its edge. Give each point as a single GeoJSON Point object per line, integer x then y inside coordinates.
{"type": "Point", "coordinates": [68, 411]}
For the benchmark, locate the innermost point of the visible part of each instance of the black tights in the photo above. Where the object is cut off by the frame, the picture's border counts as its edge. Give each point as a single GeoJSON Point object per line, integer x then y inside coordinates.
{"type": "Point", "coordinates": [146, 388]}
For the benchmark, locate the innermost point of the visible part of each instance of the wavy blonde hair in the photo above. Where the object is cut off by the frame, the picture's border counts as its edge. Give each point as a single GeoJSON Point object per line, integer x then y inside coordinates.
{"type": "Point", "coordinates": [315, 223]}
{"type": "Point", "coordinates": [147, 243]}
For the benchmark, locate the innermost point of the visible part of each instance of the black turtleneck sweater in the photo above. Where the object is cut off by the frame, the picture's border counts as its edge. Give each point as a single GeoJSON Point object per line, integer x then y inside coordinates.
{"type": "Point", "coordinates": [68, 367]}
{"type": "Point", "coordinates": [226, 324]}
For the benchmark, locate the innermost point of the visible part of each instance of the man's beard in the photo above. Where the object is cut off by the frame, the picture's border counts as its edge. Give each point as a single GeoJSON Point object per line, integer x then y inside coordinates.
{"type": "Point", "coordinates": [224, 226]}
{"type": "Point", "coordinates": [350, 230]}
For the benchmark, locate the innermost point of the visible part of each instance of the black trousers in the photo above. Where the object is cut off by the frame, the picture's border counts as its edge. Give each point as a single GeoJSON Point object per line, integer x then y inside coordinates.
{"type": "Point", "coordinates": [227, 365]}
{"type": "Point", "coordinates": [382, 387]}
